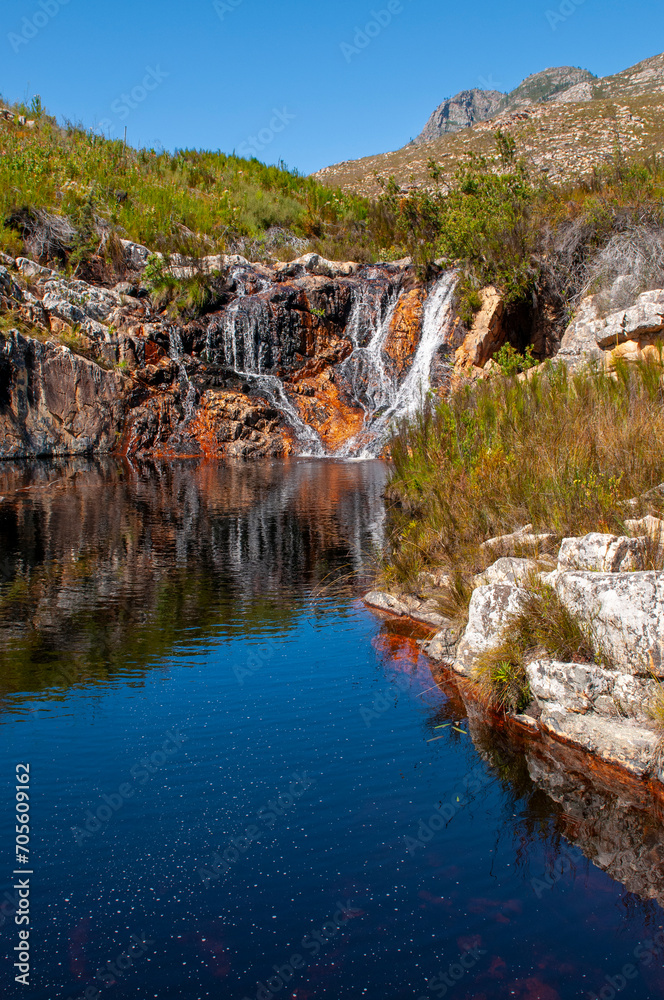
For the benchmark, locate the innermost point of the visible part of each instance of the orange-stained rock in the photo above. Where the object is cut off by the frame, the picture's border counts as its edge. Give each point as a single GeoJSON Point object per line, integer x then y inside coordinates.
{"type": "Point", "coordinates": [327, 410]}
{"type": "Point", "coordinates": [405, 329]}
{"type": "Point", "coordinates": [334, 355]}
{"type": "Point", "coordinates": [226, 424]}
{"type": "Point", "coordinates": [154, 353]}
{"type": "Point", "coordinates": [487, 334]}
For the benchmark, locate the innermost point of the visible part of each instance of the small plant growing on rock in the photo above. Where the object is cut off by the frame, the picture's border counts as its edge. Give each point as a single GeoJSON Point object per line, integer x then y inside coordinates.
{"type": "Point", "coordinates": [501, 674]}
{"type": "Point", "coordinates": [542, 627]}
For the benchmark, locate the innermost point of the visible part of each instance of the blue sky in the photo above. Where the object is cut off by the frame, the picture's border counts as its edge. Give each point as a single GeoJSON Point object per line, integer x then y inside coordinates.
{"type": "Point", "coordinates": [296, 78]}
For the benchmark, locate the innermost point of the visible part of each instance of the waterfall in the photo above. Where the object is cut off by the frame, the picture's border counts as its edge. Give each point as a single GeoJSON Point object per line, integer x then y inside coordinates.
{"type": "Point", "coordinates": [273, 389]}
{"type": "Point", "coordinates": [399, 401]}
{"type": "Point", "coordinates": [236, 339]}
{"type": "Point", "coordinates": [364, 372]}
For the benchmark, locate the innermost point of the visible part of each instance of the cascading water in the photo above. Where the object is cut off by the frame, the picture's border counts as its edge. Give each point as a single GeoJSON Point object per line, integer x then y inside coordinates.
{"type": "Point", "coordinates": [368, 378]}
{"type": "Point", "coordinates": [398, 401]}
{"type": "Point", "coordinates": [273, 389]}
{"type": "Point", "coordinates": [364, 372]}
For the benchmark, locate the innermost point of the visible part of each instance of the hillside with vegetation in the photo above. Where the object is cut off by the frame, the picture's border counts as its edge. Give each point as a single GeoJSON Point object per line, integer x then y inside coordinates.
{"type": "Point", "coordinates": [65, 191]}
{"type": "Point", "coordinates": [67, 197]}
{"type": "Point", "coordinates": [563, 134]}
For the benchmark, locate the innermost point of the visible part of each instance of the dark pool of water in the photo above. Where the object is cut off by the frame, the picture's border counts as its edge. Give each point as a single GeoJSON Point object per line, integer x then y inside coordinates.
{"type": "Point", "coordinates": [258, 784]}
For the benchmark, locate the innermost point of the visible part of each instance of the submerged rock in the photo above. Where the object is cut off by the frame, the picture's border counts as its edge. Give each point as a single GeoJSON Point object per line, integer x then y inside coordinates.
{"type": "Point", "coordinates": [426, 612]}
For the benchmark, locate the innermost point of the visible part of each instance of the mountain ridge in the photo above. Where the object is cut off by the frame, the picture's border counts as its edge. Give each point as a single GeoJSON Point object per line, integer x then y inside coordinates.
{"type": "Point", "coordinates": [471, 106]}
{"type": "Point", "coordinates": [564, 134]}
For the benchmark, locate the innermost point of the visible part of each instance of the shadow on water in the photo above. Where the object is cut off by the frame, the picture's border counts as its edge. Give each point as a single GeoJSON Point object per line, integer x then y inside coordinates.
{"type": "Point", "coordinates": [106, 568]}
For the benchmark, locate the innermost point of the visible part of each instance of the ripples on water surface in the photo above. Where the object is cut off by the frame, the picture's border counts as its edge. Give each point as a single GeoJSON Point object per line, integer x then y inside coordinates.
{"type": "Point", "coordinates": [187, 641]}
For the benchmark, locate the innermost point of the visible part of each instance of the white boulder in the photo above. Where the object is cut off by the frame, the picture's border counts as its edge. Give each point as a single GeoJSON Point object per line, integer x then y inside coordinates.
{"type": "Point", "coordinates": [600, 553]}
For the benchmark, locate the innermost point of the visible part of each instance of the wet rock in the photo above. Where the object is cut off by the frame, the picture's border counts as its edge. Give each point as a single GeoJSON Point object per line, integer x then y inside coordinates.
{"type": "Point", "coordinates": [512, 571]}
{"type": "Point", "coordinates": [324, 406]}
{"type": "Point", "coordinates": [624, 611]}
{"type": "Point", "coordinates": [408, 605]}
{"type": "Point", "coordinates": [600, 553]}
{"type": "Point", "coordinates": [443, 647]}
{"type": "Point", "coordinates": [405, 329]}
{"type": "Point", "coordinates": [213, 424]}
{"type": "Point", "coordinates": [488, 614]}
{"type": "Point", "coordinates": [54, 402]}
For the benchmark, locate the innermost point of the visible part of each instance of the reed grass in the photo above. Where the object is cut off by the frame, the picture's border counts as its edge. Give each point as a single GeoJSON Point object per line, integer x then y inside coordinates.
{"type": "Point", "coordinates": [564, 452]}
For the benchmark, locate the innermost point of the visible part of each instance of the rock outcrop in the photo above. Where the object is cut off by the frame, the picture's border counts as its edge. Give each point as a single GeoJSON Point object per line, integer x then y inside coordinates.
{"type": "Point", "coordinates": [487, 333]}
{"type": "Point", "coordinates": [606, 707]}
{"type": "Point", "coordinates": [292, 358]}
{"type": "Point", "coordinates": [626, 333]}
{"type": "Point", "coordinates": [55, 402]}
{"type": "Point", "coordinates": [461, 111]}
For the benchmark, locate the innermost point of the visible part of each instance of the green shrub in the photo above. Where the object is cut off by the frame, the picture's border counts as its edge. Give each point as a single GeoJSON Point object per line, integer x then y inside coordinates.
{"type": "Point", "coordinates": [513, 363]}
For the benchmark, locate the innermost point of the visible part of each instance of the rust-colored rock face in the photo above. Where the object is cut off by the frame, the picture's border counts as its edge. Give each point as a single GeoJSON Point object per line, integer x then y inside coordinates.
{"type": "Point", "coordinates": [487, 334]}
{"type": "Point", "coordinates": [405, 329]}
{"type": "Point", "coordinates": [222, 424]}
{"type": "Point", "coordinates": [325, 407]}
{"type": "Point", "coordinates": [296, 358]}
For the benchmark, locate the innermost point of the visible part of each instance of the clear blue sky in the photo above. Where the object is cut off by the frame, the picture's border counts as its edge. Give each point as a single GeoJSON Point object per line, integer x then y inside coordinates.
{"type": "Point", "coordinates": [220, 72]}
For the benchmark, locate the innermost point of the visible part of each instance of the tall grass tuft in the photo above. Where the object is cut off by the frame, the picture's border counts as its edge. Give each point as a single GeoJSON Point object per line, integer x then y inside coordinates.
{"type": "Point", "coordinates": [565, 452]}
{"type": "Point", "coordinates": [543, 627]}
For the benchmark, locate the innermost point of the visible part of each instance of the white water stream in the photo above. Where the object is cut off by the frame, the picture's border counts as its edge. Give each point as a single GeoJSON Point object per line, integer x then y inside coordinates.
{"type": "Point", "coordinates": [397, 401]}
{"type": "Point", "coordinates": [366, 373]}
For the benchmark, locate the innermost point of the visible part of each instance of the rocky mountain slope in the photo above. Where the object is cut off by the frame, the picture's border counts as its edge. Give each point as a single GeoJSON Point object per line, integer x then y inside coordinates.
{"type": "Point", "coordinates": [565, 123]}
{"type": "Point", "coordinates": [471, 106]}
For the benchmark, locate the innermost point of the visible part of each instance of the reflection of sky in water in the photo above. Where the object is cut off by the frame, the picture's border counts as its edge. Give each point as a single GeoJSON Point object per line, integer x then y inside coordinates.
{"type": "Point", "coordinates": [250, 668]}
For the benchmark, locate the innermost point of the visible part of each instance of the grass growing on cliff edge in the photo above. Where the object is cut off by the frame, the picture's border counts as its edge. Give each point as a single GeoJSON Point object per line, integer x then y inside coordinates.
{"type": "Point", "coordinates": [563, 452]}
{"type": "Point", "coordinates": [544, 627]}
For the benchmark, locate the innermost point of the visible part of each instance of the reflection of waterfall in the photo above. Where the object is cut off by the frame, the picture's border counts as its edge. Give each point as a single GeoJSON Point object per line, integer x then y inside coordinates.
{"type": "Point", "coordinates": [399, 401]}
